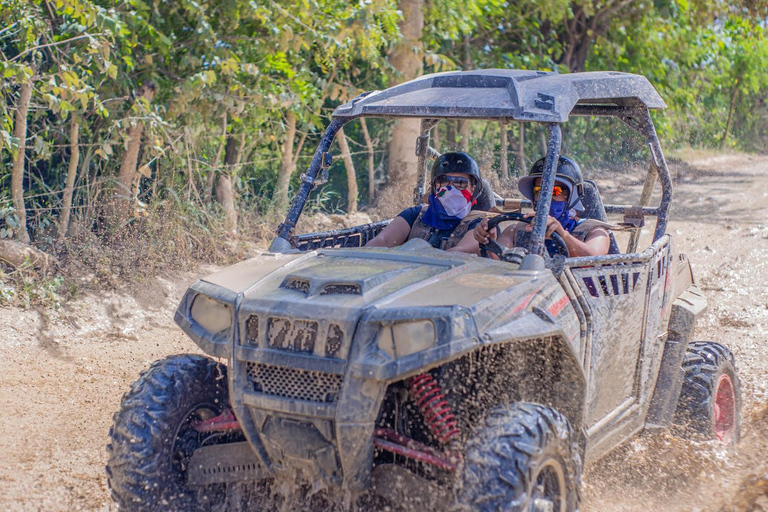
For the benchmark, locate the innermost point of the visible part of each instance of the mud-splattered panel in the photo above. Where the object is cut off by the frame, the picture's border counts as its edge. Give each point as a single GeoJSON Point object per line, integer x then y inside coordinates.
{"type": "Point", "coordinates": [617, 299]}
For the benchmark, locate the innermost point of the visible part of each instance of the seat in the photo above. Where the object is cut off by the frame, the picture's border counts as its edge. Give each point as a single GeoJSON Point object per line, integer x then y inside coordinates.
{"type": "Point", "coordinates": [594, 209]}
{"type": "Point", "coordinates": [486, 199]}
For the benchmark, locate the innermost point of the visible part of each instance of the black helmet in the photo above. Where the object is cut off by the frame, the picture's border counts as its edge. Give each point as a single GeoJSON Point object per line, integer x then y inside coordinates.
{"type": "Point", "coordinates": [568, 173]}
{"type": "Point", "coordinates": [457, 161]}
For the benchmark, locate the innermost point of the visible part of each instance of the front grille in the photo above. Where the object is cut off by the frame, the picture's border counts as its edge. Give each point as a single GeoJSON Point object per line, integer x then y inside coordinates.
{"type": "Point", "coordinates": [293, 335]}
{"type": "Point", "coordinates": [292, 383]}
{"type": "Point", "coordinates": [252, 330]}
{"type": "Point", "coordinates": [334, 341]}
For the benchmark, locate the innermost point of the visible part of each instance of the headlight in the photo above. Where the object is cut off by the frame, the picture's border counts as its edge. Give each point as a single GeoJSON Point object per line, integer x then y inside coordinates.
{"type": "Point", "coordinates": [406, 338]}
{"type": "Point", "coordinates": [212, 315]}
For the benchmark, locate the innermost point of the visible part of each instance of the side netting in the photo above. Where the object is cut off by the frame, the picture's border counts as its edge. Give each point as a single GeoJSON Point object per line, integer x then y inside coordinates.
{"type": "Point", "coordinates": [356, 236]}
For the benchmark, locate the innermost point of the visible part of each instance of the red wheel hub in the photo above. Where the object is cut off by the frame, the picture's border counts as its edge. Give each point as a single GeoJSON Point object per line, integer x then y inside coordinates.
{"type": "Point", "coordinates": [724, 413]}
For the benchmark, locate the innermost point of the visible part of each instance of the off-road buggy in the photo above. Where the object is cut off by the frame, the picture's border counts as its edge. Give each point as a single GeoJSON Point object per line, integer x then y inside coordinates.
{"type": "Point", "coordinates": [433, 378]}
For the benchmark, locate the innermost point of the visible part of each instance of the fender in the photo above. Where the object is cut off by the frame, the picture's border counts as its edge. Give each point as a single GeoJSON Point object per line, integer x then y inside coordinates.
{"type": "Point", "coordinates": [686, 309]}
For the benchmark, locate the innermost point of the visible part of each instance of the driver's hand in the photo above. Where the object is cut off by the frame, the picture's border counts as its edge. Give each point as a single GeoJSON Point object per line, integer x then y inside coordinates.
{"type": "Point", "coordinates": [481, 232]}
{"type": "Point", "coordinates": [553, 226]}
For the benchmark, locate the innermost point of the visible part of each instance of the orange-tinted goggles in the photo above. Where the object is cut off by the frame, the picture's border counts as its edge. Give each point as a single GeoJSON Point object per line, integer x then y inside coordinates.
{"type": "Point", "coordinates": [556, 190]}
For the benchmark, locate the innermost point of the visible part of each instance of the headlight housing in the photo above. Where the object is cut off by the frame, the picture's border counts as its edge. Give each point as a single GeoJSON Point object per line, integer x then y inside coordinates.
{"type": "Point", "coordinates": [406, 338]}
{"type": "Point", "coordinates": [212, 315]}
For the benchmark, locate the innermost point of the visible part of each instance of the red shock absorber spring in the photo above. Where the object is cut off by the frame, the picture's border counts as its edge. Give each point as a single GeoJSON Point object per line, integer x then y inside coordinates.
{"type": "Point", "coordinates": [434, 407]}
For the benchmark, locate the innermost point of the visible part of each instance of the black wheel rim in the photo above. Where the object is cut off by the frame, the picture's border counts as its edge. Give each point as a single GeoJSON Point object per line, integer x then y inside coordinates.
{"type": "Point", "coordinates": [186, 440]}
{"type": "Point", "coordinates": [548, 492]}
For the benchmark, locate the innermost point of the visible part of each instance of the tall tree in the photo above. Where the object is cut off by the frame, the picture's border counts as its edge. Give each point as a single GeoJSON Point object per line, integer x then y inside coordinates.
{"type": "Point", "coordinates": [287, 162]}
{"type": "Point", "coordinates": [74, 160]}
{"type": "Point", "coordinates": [224, 191]}
{"type": "Point", "coordinates": [406, 57]}
{"type": "Point", "coordinates": [371, 165]}
{"type": "Point", "coordinates": [350, 168]}
{"type": "Point", "coordinates": [124, 194]}
{"type": "Point", "coordinates": [17, 176]}
{"type": "Point", "coordinates": [584, 22]}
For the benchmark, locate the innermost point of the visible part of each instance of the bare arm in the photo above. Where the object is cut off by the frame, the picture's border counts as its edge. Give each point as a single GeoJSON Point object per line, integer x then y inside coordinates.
{"type": "Point", "coordinates": [467, 244]}
{"type": "Point", "coordinates": [470, 243]}
{"type": "Point", "coordinates": [394, 234]}
{"type": "Point", "coordinates": [596, 242]}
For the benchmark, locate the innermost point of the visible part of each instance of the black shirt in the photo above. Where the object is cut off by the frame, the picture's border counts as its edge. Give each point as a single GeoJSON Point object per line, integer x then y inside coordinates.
{"type": "Point", "coordinates": [410, 214]}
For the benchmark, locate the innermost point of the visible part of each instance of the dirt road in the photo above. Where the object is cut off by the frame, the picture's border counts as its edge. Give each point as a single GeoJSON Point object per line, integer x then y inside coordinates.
{"type": "Point", "coordinates": [62, 374]}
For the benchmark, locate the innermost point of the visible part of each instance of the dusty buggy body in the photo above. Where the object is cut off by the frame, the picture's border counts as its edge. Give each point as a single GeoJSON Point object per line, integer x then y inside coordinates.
{"type": "Point", "coordinates": [489, 383]}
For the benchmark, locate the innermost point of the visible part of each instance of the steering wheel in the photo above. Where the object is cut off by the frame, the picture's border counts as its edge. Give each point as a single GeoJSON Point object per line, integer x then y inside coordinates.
{"type": "Point", "coordinates": [494, 247]}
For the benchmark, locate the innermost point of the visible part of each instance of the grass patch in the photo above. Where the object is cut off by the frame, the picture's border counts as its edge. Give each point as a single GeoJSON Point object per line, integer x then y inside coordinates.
{"type": "Point", "coordinates": [25, 288]}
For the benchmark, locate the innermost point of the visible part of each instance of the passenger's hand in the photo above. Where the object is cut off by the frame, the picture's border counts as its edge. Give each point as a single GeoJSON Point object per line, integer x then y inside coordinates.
{"type": "Point", "coordinates": [481, 233]}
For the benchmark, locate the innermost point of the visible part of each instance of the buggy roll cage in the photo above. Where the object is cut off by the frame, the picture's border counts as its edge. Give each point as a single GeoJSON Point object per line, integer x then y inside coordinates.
{"type": "Point", "coordinates": [505, 96]}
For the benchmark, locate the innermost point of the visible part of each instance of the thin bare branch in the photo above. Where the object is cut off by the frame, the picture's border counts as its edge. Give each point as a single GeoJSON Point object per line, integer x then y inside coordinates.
{"type": "Point", "coordinates": [57, 43]}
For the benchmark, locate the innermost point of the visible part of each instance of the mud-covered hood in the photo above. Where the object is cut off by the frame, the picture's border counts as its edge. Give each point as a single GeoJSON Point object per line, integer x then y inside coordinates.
{"type": "Point", "coordinates": [282, 308]}
{"type": "Point", "coordinates": [314, 303]}
{"type": "Point", "coordinates": [358, 278]}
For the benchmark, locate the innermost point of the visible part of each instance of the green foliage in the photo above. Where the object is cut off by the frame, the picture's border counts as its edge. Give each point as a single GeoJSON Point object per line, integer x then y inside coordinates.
{"type": "Point", "coordinates": [231, 70]}
{"type": "Point", "coordinates": [9, 222]}
{"type": "Point", "coordinates": [22, 287]}
{"type": "Point", "coordinates": [699, 69]}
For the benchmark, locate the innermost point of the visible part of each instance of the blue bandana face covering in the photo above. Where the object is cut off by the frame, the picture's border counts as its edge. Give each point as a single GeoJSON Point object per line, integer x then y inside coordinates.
{"type": "Point", "coordinates": [437, 217]}
{"type": "Point", "coordinates": [557, 209]}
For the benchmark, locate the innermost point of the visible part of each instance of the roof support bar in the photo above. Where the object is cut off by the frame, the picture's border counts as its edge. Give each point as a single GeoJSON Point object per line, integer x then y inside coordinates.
{"type": "Point", "coordinates": [547, 183]}
{"type": "Point", "coordinates": [639, 119]}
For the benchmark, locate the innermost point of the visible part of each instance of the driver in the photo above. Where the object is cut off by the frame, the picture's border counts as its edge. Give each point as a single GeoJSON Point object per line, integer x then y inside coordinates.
{"type": "Point", "coordinates": [455, 186]}
{"type": "Point", "coordinates": [583, 237]}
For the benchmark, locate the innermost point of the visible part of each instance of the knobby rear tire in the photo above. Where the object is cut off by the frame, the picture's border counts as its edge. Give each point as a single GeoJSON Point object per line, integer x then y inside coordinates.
{"type": "Point", "coordinates": [710, 401]}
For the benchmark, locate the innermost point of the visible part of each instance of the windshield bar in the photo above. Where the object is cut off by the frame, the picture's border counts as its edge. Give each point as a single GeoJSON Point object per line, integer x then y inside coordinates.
{"type": "Point", "coordinates": [547, 183]}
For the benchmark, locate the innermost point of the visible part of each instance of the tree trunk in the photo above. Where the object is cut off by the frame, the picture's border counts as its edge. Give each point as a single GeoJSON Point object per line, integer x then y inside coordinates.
{"type": "Point", "coordinates": [435, 138]}
{"type": "Point", "coordinates": [588, 24]}
{"type": "Point", "coordinates": [17, 254]}
{"type": "Point", "coordinates": [224, 191]}
{"type": "Point", "coordinates": [17, 175]}
{"type": "Point", "coordinates": [241, 149]}
{"type": "Point", "coordinates": [464, 123]}
{"type": "Point", "coordinates": [406, 58]}
{"type": "Point", "coordinates": [464, 135]}
{"type": "Point", "coordinates": [351, 175]}
{"type": "Point", "coordinates": [216, 159]}
{"type": "Point", "coordinates": [371, 165]}
{"type": "Point", "coordinates": [190, 168]}
{"type": "Point", "coordinates": [450, 134]}
{"type": "Point", "coordinates": [287, 165]}
{"type": "Point", "coordinates": [124, 194]}
{"type": "Point", "coordinates": [734, 95]}
{"type": "Point", "coordinates": [521, 166]}
{"type": "Point", "coordinates": [74, 160]}
{"type": "Point", "coordinates": [503, 157]}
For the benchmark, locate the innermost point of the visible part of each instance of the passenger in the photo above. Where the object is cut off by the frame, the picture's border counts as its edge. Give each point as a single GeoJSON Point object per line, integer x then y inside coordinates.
{"type": "Point", "coordinates": [583, 237]}
{"type": "Point", "coordinates": [455, 185]}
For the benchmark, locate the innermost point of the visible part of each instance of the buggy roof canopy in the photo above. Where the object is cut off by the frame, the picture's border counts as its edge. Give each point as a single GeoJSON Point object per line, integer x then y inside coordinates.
{"type": "Point", "coordinates": [504, 93]}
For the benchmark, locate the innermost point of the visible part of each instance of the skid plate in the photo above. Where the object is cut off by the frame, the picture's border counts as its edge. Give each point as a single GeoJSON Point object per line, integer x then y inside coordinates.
{"type": "Point", "coordinates": [224, 463]}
